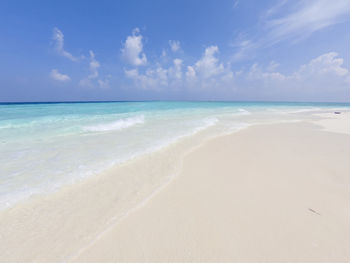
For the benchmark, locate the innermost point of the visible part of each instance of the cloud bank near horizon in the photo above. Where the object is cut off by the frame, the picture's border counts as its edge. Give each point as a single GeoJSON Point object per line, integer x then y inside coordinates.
{"type": "Point", "coordinates": [172, 69]}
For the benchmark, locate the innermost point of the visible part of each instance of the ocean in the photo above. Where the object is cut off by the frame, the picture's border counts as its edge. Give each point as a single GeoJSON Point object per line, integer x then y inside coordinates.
{"type": "Point", "coordinates": [45, 146]}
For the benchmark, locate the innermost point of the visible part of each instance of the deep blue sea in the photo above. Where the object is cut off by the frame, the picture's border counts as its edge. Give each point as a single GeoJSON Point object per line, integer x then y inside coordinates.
{"type": "Point", "coordinates": [47, 145]}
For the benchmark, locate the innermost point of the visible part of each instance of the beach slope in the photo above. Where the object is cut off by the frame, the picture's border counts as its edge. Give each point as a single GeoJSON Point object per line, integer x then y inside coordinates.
{"type": "Point", "coordinates": [270, 193]}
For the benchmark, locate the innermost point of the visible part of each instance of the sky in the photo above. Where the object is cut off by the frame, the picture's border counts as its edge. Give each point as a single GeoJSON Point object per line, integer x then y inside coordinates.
{"type": "Point", "coordinates": [240, 50]}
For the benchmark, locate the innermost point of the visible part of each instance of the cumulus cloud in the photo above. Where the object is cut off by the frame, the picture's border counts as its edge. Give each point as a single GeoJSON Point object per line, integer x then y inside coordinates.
{"type": "Point", "coordinates": [323, 78]}
{"type": "Point", "coordinates": [207, 71]}
{"type": "Point", "coordinates": [328, 66]}
{"type": "Point", "coordinates": [104, 84]}
{"type": "Point", "coordinates": [190, 73]}
{"type": "Point", "coordinates": [329, 63]}
{"type": "Point", "coordinates": [323, 75]}
{"type": "Point", "coordinates": [176, 71]}
{"type": "Point", "coordinates": [209, 64]}
{"type": "Point", "coordinates": [174, 45]}
{"type": "Point", "coordinates": [257, 73]}
{"type": "Point", "coordinates": [132, 73]}
{"type": "Point", "coordinates": [56, 75]}
{"type": "Point", "coordinates": [58, 37]}
{"type": "Point", "coordinates": [94, 65]}
{"type": "Point", "coordinates": [154, 79]}
{"type": "Point", "coordinates": [157, 77]}
{"type": "Point", "coordinates": [92, 80]}
{"type": "Point", "coordinates": [132, 50]}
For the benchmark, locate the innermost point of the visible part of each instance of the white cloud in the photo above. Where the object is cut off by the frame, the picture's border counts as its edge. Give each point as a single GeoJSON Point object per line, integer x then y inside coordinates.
{"type": "Point", "coordinates": [190, 73]}
{"type": "Point", "coordinates": [257, 73]}
{"type": "Point", "coordinates": [104, 84]}
{"type": "Point", "coordinates": [157, 78]}
{"type": "Point", "coordinates": [311, 81]}
{"type": "Point", "coordinates": [176, 71]}
{"type": "Point", "coordinates": [292, 20]}
{"type": "Point", "coordinates": [92, 80]}
{"type": "Point", "coordinates": [276, 8]}
{"type": "Point", "coordinates": [324, 78]}
{"type": "Point", "coordinates": [307, 17]}
{"type": "Point", "coordinates": [132, 73]}
{"type": "Point", "coordinates": [273, 66]}
{"type": "Point", "coordinates": [154, 79]}
{"type": "Point", "coordinates": [328, 63]}
{"type": "Point", "coordinates": [244, 48]}
{"type": "Point", "coordinates": [206, 72]}
{"type": "Point", "coordinates": [54, 74]}
{"type": "Point", "coordinates": [209, 64]}
{"type": "Point", "coordinates": [326, 67]}
{"type": "Point", "coordinates": [174, 45]}
{"type": "Point", "coordinates": [58, 37]}
{"type": "Point", "coordinates": [163, 53]}
{"type": "Point", "coordinates": [94, 65]}
{"type": "Point", "coordinates": [132, 51]}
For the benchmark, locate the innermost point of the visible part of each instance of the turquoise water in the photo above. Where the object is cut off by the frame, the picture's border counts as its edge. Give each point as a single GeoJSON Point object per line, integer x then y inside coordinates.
{"type": "Point", "coordinates": [47, 145]}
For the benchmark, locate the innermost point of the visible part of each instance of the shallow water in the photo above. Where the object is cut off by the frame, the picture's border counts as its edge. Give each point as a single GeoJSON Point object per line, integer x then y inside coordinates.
{"type": "Point", "coordinates": [47, 145]}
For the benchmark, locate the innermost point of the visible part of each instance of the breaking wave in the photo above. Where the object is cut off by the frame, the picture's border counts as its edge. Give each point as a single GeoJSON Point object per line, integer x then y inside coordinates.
{"type": "Point", "coordinates": [117, 125]}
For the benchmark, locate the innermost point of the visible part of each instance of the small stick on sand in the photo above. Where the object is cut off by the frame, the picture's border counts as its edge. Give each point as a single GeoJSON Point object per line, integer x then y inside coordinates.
{"type": "Point", "coordinates": [313, 211]}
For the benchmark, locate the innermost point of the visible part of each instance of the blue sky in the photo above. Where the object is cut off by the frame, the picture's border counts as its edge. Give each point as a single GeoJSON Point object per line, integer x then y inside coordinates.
{"type": "Point", "coordinates": [175, 50]}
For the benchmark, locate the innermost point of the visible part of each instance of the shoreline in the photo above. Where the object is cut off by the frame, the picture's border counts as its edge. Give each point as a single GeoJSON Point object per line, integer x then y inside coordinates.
{"type": "Point", "coordinates": [230, 210]}
{"type": "Point", "coordinates": [83, 206]}
{"type": "Point", "coordinates": [90, 199]}
{"type": "Point", "coordinates": [52, 178]}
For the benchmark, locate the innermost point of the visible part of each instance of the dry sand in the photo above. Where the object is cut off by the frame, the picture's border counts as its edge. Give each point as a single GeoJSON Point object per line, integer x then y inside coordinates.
{"type": "Point", "coordinates": [269, 193]}
{"type": "Point", "coordinates": [339, 123]}
{"type": "Point", "coordinates": [277, 193]}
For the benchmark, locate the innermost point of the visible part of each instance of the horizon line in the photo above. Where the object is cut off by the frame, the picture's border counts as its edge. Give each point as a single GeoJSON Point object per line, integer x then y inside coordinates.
{"type": "Point", "coordinates": [111, 101]}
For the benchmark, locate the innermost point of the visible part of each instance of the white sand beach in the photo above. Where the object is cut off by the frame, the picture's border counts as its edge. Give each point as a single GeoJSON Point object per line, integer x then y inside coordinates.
{"type": "Point", "coordinates": [268, 193]}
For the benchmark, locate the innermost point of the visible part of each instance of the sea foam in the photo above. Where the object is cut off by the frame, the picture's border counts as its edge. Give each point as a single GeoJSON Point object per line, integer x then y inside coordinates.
{"type": "Point", "coordinates": [117, 125]}
{"type": "Point", "coordinates": [244, 112]}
